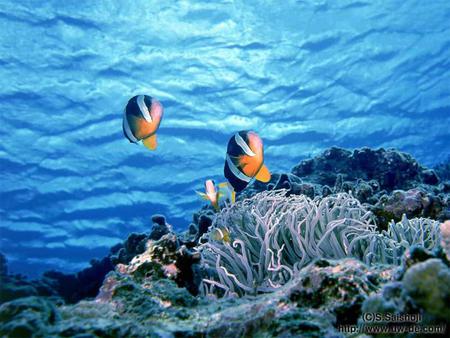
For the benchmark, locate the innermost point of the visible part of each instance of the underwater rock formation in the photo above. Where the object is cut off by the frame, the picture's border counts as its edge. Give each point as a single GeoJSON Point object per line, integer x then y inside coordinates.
{"type": "Point", "coordinates": [390, 182]}
{"type": "Point", "coordinates": [390, 168]}
{"type": "Point", "coordinates": [421, 287]}
{"type": "Point", "coordinates": [84, 284]}
{"type": "Point", "coordinates": [18, 286]}
{"type": "Point", "coordinates": [27, 317]}
{"type": "Point", "coordinates": [132, 304]}
{"type": "Point", "coordinates": [317, 254]}
{"type": "Point", "coordinates": [321, 297]}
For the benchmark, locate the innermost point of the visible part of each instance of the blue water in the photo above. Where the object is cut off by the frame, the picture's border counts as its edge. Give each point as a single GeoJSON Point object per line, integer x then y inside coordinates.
{"type": "Point", "coordinates": [305, 75]}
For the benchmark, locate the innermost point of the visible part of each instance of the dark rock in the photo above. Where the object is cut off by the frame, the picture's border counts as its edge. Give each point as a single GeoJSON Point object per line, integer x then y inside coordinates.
{"type": "Point", "coordinates": [133, 245]}
{"type": "Point", "coordinates": [159, 228]}
{"type": "Point", "coordinates": [286, 181]}
{"type": "Point", "coordinates": [3, 265]}
{"type": "Point", "coordinates": [364, 192]}
{"type": "Point", "coordinates": [326, 191]}
{"type": "Point", "coordinates": [193, 229]}
{"type": "Point", "coordinates": [390, 168]}
{"type": "Point", "coordinates": [430, 177]}
{"type": "Point", "coordinates": [84, 284]}
{"type": "Point", "coordinates": [159, 219]}
{"type": "Point", "coordinates": [204, 222]}
{"type": "Point", "coordinates": [188, 276]}
{"type": "Point", "coordinates": [443, 169]}
{"type": "Point", "coordinates": [17, 286]}
{"type": "Point", "coordinates": [306, 189]}
{"type": "Point", "coordinates": [27, 317]}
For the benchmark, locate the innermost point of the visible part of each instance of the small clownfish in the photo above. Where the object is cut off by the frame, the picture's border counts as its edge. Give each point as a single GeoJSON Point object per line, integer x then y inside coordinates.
{"type": "Point", "coordinates": [245, 160]}
{"type": "Point", "coordinates": [221, 234]}
{"type": "Point", "coordinates": [211, 194]}
{"type": "Point", "coordinates": [141, 120]}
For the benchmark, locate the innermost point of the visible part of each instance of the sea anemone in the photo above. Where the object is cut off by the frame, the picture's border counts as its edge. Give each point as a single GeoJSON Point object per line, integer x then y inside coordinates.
{"type": "Point", "coordinates": [272, 236]}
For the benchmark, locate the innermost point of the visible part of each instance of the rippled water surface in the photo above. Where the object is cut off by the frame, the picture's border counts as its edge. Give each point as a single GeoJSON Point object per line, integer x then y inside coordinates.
{"type": "Point", "coordinates": [305, 75]}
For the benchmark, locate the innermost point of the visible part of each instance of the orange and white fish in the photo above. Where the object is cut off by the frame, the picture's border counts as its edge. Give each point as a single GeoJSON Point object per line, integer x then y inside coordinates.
{"type": "Point", "coordinates": [211, 194]}
{"type": "Point", "coordinates": [221, 234]}
{"type": "Point", "coordinates": [245, 160]}
{"type": "Point", "coordinates": [141, 120]}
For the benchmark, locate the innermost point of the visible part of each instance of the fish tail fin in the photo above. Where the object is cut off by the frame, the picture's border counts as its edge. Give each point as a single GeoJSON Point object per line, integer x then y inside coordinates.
{"type": "Point", "coordinates": [151, 142]}
{"type": "Point", "coordinates": [263, 174]}
{"type": "Point", "coordinates": [203, 195]}
{"type": "Point", "coordinates": [233, 196]}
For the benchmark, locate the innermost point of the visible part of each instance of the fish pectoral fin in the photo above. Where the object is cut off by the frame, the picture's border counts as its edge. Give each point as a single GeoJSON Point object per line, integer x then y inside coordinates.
{"type": "Point", "coordinates": [263, 174]}
{"type": "Point", "coordinates": [203, 195]}
{"type": "Point", "coordinates": [233, 196]}
{"type": "Point", "coordinates": [150, 142]}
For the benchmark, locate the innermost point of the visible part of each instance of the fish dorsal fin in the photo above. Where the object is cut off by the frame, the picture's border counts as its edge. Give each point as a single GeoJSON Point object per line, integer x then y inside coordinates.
{"type": "Point", "coordinates": [150, 142]}
{"type": "Point", "coordinates": [263, 174]}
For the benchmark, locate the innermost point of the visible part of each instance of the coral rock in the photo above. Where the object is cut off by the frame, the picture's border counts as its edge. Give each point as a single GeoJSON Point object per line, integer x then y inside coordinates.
{"type": "Point", "coordinates": [392, 169]}
{"type": "Point", "coordinates": [428, 284]}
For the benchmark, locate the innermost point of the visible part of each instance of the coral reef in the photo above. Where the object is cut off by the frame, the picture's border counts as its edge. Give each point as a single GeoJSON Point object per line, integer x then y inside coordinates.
{"type": "Point", "coordinates": [17, 286]}
{"type": "Point", "coordinates": [84, 284]}
{"type": "Point", "coordinates": [421, 287]}
{"type": "Point", "coordinates": [138, 304]}
{"type": "Point", "coordinates": [349, 236]}
{"type": "Point", "coordinates": [390, 168]}
{"type": "Point", "coordinates": [390, 182]}
{"type": "Point", "coordinates": [136, 301]}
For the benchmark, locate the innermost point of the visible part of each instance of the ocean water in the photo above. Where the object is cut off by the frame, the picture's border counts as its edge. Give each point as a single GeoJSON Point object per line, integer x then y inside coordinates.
{"type": "Point", "coordinates": [306, 75]}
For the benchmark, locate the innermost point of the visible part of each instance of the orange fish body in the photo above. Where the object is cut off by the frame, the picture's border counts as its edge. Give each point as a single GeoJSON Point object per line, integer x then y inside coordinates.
{"type": "Point", "coordinates": [141, 120]}
{"type": "Point", "coordinates": [245, 160]}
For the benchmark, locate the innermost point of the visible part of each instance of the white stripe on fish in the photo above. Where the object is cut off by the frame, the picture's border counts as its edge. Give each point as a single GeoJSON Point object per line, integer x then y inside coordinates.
{"type": "Point", "coordinates": [244, 146]}
{"type": "Point", "coordinates": [236, 172]}
{"type": "Point", "coordinates": [143, 107]}
{"type": "Point", "coordinates": [127, 129]}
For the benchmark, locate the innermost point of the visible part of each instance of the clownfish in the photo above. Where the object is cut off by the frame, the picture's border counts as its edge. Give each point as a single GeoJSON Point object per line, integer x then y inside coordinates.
{"type": "Point", "coordinates": [211, 194]}
{"type": "Point", "coordinates": [141, 120]}
{"type": "Point", "coordinates": [245, 160]}
{"type": "Point", "coordinates": [220, 234]}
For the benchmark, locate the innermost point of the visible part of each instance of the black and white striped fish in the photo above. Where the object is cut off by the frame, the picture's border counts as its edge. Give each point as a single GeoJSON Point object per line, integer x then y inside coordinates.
{"type": "Point", "coordinates": [245, 160]}
{"type": "Point", "coordinates": [141, 120]}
